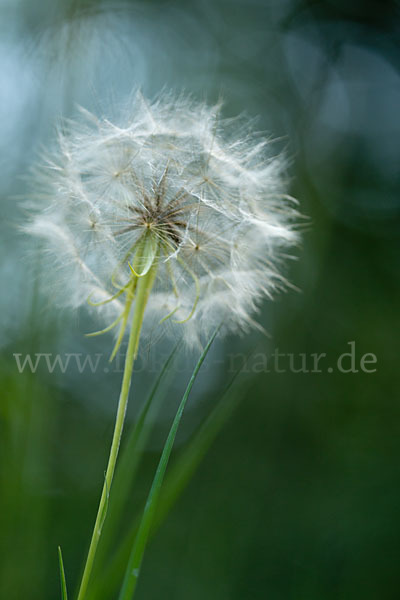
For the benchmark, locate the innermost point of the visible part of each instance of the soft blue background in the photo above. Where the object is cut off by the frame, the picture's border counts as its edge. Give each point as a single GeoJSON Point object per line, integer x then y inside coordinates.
{"type": "Point", "coordinates": [298, 498]}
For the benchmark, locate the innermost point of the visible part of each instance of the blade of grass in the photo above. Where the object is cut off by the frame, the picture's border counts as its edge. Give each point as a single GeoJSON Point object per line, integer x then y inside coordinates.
{"type": "Point", "coordinates": [139, 546]}
{"type": "Point", "coordinates": [195, 451]}
{"type": "Point", "coordinates": [174, 484]}
{"type": "Point", "coordinates": [192, 455]}
{"type": "Point", "coordinates": [64, 595]}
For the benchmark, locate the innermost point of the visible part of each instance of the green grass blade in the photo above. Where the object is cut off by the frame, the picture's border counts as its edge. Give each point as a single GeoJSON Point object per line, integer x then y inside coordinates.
{"type": "Point", "coordinates": [139, 546]}
{"type": "Point", "coordinates": [175, 481]}
{"type": "Point", "coordinates": [64, 595]}
{"type": "Point", "coordinates": [192, 455]}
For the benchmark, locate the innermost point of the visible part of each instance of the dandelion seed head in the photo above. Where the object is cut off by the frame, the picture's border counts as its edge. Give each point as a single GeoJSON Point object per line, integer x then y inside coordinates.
{"type": "Point", "coordinates": [203, 195]}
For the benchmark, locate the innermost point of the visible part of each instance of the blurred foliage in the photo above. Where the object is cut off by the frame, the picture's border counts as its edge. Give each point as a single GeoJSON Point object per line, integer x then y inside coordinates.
{"type": "Point", "coordinates": [298, 496]}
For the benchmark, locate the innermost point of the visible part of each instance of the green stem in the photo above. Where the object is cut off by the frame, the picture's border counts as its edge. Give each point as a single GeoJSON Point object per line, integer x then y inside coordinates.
{"type": "Point", "coordinates": [144, 285]}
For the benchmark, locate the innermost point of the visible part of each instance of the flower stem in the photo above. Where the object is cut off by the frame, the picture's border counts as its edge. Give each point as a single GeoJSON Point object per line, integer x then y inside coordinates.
{"type": "Point", "coordinates": [144, 285]}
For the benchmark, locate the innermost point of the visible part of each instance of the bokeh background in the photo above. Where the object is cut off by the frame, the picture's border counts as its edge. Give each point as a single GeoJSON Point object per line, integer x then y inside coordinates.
{"type": "Point", "coordinates": [298, 497]}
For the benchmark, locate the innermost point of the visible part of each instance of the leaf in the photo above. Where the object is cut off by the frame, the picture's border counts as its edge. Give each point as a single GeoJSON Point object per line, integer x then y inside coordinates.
{"type": "Point", "coordinates": [195, 451]}
{"type": "Point", "coordinates": [64, 595]}
{"type": "Point", "coordinates": [140, 543]}
{"type": "Point", "coordinates": [176, 480]}
{"type": "Point", "coordinates": [192, 455]}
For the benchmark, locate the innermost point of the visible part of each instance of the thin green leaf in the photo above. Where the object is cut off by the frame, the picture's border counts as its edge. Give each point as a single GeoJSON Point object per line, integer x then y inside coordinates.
{"type": "Point", "coordinates": [195, 451]}
{"type": "Point", "coordinates": [64, 595]}
{"type": "Point", "coordinates": [139, 546]}
{"type": "Point", "coordinates": [175, 482]}
{"type": "Point", "coordinates": [192, 455]}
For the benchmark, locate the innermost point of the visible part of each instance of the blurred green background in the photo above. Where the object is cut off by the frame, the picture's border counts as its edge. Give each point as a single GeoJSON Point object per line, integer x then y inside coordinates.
{"type": "Point", "coordinates": [299, 496]}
